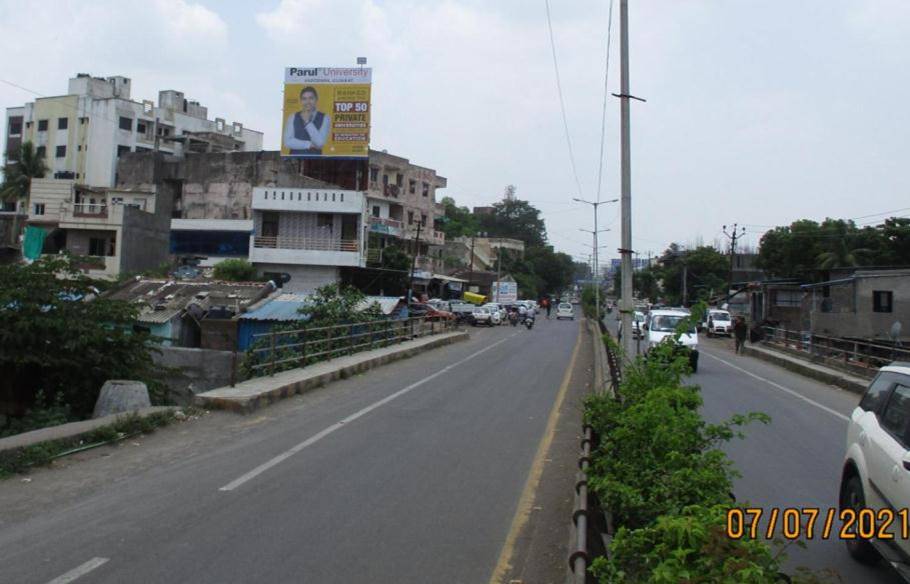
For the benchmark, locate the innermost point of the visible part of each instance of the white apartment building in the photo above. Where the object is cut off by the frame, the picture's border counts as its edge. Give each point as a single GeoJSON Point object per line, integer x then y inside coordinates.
{"type": "Point", "coordinates": [307, 234]}
{"type": "Point", "coordinates": [83, 133]}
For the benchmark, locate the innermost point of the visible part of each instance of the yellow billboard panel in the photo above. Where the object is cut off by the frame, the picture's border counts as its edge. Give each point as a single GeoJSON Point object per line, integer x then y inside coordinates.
{"type": "Point", "coordinates": [326, 112]}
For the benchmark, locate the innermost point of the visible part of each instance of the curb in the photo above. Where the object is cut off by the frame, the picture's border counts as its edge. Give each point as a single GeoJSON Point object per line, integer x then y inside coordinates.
{"type": "Point", "coordinates": [807, 369]}
{"type": "Point", "coordinates": [245, 400]}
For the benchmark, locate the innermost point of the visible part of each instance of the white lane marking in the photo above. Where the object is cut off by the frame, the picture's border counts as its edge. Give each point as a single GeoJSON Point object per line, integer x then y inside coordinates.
{"type": "Point", "coordinates": [795, 394]}
{"type": "Point", "coordinates": [80, 571]}
{"type": "Point", "coordinates": [317, 437]}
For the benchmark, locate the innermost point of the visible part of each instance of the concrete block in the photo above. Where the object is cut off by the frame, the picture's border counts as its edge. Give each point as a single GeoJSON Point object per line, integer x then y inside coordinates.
{"type": "Point", "coordinates": [121, 395]}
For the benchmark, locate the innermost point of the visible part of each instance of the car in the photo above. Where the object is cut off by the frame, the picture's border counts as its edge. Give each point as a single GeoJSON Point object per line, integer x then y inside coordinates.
{"type": "Point", "coordinates": [661, 324]}
{"type": "Point", "coordinates": [876, 470]}
{"type": "Point", "coordinates": [482, 315]}
{"type": "Point", "coordinates": [638, 321]}
{"type": "Point", "coordinates": [565, 310]}
{"type": "Point", "coordinates": [717, 322]}
{"type": "Point", "coordinates": [497, 311]}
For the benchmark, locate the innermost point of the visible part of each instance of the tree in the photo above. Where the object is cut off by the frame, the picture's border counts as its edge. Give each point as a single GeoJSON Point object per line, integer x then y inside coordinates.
{"type": "Point", "coordinates": [457, 221]}
{"type": "Point", "coordinates": [58, 338]}
{"type": "Point", "coordinates": [18, 175]}
{"type": "Point", "coordinates": [706, 271]}
{"type": "Point", "coordinates": [517, 220]}
{"type": "Point", "coordinates": [235, 270]}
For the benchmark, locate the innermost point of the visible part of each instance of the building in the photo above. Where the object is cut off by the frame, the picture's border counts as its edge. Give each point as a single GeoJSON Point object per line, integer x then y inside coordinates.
{"type": "Point", "coordinates": [84, 132]}
{"type": "Point", "coordinates": [109, 230]}
{"type": "Point", "coordinates": [401, 196]}
{"type": "Point", "coordinates": [307, 234]}
{"type": "Point", "coordinates": [862, 305]}
{"type": "Point", "coordinates": [484, 250]}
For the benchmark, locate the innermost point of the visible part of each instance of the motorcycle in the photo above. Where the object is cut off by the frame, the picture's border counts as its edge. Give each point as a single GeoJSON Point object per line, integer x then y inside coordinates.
{"type": "Point", "coordinates": [513, 318]}
{"type": "Point", "coordinates": [529, 322]}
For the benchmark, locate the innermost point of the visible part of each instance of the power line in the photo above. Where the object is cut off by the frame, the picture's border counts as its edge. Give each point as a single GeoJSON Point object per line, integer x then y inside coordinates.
{"type": "Point", "coordinates": [562, 104]}
{"type": "Point", "coordinates": [603, 119]}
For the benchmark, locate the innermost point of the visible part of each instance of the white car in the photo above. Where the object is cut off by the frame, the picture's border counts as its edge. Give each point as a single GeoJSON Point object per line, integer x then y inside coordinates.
{"type": "Point", "coordinates": [565, 310]}
{"type": "Point", "coordinates": [876, 471]}
{"type": "Point", "coordinates": [497, 312]}
{"type": "Point", "coordinates": [638, 321]}
{"type": "Point", "coordinates": [718, 322]}
{"type": "Point", "coordinates": [660, 324]}
{"type": "Point", "coordinates": [482, 315]}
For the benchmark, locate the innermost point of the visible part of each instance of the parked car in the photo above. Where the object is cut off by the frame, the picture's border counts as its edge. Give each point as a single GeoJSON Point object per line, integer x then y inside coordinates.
{"type": "Point", "coordinates": [565, 310]}
{"type": "Point", "coordinates": [497, 311]}
{"type": "Point", "coordinates": [717, 322]}
{"type": "Point", "coordinates": [660, 324]}
{"type": "Point", "coordinates": [876, 470]}
{"type": "Point", "coordinates": [638, 321]}
{"type": "Point", "coordinates": [481, 315]}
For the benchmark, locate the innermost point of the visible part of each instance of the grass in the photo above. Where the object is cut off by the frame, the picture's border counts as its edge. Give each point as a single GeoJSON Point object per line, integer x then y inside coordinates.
{"type": "Point", "coordinates": [21, 459]}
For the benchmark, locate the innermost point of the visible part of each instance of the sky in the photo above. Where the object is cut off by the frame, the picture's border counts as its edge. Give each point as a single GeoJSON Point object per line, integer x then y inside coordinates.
{"type": "Point", "coordinates": [758, 112]}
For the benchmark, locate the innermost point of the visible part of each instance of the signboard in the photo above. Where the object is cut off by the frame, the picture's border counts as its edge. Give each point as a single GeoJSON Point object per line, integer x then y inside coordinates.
{"type": "Point", "coordinates": [505, 291]}
{"type": "Point", "coordinates": [326, 112]}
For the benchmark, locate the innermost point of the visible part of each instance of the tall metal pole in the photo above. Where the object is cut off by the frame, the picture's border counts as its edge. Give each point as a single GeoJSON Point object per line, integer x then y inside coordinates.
{"type": "Point", "coordinates": [626, 178]}
{"type": "Point", "coordinates": [413, 265]}
{"type": "Point", "coordinates": [498, 267]}
{"type": "Point", "coordinates": [596, 271]}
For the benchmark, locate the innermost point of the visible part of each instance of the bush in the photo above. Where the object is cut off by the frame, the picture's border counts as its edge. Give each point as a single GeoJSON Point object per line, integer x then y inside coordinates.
{"type": "Point", "coordinates": [235, 270]}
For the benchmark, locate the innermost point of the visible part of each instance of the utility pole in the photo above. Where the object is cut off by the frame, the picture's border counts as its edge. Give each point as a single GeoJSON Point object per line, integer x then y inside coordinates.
{"type": "Point", "coordinates": [414, 263]}
{"type": "Point", "coordinates": [471, 270]}
{"type": "Point", "coordinates": [685, 282]}
{"type": "Point", "coordinates": [596, 205]}
{"type": "Point", "coordinates": [498, 267]}
{"type": "Point", "coordinates": [626, 306]}
{"type": "Point", "coordinates": [733, 237]}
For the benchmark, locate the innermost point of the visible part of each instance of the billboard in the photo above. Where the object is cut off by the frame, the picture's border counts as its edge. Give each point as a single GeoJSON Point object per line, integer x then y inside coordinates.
{"type": "Point", "coordinates": [505, 291]}
{"type": "Point", "coordinates": [326, 112]}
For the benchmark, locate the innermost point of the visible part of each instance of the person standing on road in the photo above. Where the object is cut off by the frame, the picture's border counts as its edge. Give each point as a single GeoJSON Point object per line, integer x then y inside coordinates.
{"type": "Point", "coordinates": [740, 330]}
{"type": "Point", "coordinates": [547, 302]}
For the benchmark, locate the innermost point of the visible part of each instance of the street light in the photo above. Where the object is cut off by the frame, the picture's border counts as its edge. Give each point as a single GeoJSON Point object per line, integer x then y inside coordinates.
{"type": "Point", "coordinates": [596, 263]}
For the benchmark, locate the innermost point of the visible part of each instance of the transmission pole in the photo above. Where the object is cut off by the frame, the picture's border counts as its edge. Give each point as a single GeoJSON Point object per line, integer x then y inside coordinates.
{"type": "Point", "coordinates": [733, 237]}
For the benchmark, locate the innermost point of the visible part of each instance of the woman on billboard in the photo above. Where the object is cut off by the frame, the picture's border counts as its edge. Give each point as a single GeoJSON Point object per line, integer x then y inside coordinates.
{"type": "Point", "coordinates": [306, 131]}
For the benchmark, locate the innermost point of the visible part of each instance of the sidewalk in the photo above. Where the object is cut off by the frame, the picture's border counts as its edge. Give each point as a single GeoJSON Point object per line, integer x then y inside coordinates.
{"type": "Point", "coordinates": [252, 394]}
{"type": "Point", "coordinates": [801, 366]}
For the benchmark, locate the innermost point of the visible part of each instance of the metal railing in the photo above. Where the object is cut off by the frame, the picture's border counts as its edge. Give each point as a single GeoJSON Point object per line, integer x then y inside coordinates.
{"type": "Point", "coordinates": [854, 355]}
{"type": "Point", "coordinates": [386, 221]}
{"type": "Point", "coordinates": [306, 243]}
{"type": "Point", "coordinates": [89, 210]}
{"type": "Point", "coordinates": [282, 350]}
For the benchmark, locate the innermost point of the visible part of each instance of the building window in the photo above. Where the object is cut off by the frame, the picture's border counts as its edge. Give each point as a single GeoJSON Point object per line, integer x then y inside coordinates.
{"type": "Point", "coordinates": [410, 217]}
{"type": "Point", "coordinates": [325, 221]}
{"type": "Point", "coordinates": [423, 220]}
{"type": "Point", "coordinates": [97, 246]}
{"type": "Point", "coordinates": [41, 151]}
{"type": "Point", "coordinates": [121, 150]}
{"type": "Point", "coordinates": [412, 186]}
{"type": "Point", "coordinates": [426, 189]}
{"type": "Point", "coordinates": [882, 301]}
{"type": "Point", "coordinates": [375, 210]}
{"type": "Point", "coordinates": [42, 125]}
{"type": "Point", "coordinates": [61, 151]}
{"type": "Point", "coordinates": [15, 128]}
{"type": "Point", "coordinates": [142, 149]}
{"type": "Point", "coordinates": [399, 179]}
{"type": "Point", "coordinates": [374, 174]}
{"type": "Point", "coordinates": [126, 123]}
{"type": "Point", "coordinates": [385, 180]}
{"type": "Point", "coordinates": [63, 123]}
{"type": "Point", "coordinates": [140, 126]}
{"type": "Point", "coordinates": [39, 209]}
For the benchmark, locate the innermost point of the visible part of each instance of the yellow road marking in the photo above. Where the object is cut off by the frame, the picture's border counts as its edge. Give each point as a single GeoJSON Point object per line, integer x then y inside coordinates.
{"type": "Point", "coordinates": [530, 489]}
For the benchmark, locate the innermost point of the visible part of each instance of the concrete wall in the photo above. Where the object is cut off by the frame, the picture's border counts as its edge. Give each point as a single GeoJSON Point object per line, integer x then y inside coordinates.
{"type": "Point", "coordinates": [145, 240]}
{"type": "Point", "coordinates": [852, 313]}
{"type": "Point", "coordinates": [197, 370]}
{"type": "Point", "coordinates": [305, 278]}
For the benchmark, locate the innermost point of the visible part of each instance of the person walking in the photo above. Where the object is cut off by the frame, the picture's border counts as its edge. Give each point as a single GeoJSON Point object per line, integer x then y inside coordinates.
{"type": "Point", "coordinates": [549, 306]}
{"type": "Point", "coordinates": [740, 330]}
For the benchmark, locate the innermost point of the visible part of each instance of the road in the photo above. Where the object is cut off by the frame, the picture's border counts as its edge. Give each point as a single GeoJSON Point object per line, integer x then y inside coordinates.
{"type": "Point", "coordinates": [419, 483]}
{"type": "Point", "coordinates": [796, 460]}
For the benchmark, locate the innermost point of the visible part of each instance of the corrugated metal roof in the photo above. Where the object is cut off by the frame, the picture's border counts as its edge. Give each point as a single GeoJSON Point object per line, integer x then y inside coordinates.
{"type": "Point", "coordinates": [277, 310]}
{"type": "Point", "coordinates": [158, 316]}
{"type": "Point", "coordinates": [386, 303]}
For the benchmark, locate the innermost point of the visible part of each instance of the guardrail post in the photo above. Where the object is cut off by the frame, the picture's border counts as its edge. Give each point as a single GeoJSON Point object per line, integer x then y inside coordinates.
{"type": "Point", "coordinates": [234, 367]}
{"type": "Point", "coordinates": [352, 337]}
{"type": "Point", "coordinates": [271, 353]}
{"type": "Point", "coordinates": [303, 348]}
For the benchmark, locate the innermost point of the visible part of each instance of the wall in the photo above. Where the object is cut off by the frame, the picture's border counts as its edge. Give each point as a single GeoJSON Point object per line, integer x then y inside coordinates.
{"type": "Point", "coordinates": [863, 322]}
{"type": "Point", "coordinates": [145, 240]}
{"type": "Point", "coordinates": [305, 278]}
{"type": "Point", "coordinates": [197, 370]}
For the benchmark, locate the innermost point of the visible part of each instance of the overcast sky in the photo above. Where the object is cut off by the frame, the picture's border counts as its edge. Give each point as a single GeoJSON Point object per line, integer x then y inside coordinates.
{"type": "Point", "coordinates": [758, 112]}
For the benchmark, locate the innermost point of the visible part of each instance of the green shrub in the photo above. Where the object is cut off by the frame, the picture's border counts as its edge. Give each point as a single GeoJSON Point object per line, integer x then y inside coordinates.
{"type": "Point", "coordinates": [235, 270]}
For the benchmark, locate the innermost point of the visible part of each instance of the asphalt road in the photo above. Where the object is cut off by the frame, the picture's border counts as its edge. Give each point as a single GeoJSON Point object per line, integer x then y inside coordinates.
{"type": "Point", "coordinates": [795, 461]}
{"type": "Point", "coordinates": [420, 483]}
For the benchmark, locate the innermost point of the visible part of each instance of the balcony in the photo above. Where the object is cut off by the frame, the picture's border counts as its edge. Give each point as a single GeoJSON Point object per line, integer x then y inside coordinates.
{"type": "Point", "coordinates": [86, 214]}
{"type": "Point", "coordinates": [429, 236]}
{"type": "Point", "coordinates": [305, 251]}
{"type": "Point", "coordinates": [386, 226]}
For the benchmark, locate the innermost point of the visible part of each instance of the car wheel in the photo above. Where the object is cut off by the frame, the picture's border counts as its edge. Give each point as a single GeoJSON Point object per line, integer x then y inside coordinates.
{"type": "Point", "coordinates": [852, 497]}
{"type": "Point", "coordinates": [693, 362]}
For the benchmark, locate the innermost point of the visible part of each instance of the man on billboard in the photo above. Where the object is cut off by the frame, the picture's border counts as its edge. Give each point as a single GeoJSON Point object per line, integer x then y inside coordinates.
{"type": "Point", "coordinates": [306, 131]}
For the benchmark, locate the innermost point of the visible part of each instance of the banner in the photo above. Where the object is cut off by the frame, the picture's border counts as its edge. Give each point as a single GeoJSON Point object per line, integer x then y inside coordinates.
{"type": "Point", "coordinates": [326, 112]}
{"type": "Point", "coordinates": [505, 291]}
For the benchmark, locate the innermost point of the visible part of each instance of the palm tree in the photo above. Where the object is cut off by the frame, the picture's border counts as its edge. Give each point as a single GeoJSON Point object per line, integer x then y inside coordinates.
{"type": "Point", "coordinates": [17, 178]}
{"type": "Point", "coordinates": [842, 256]}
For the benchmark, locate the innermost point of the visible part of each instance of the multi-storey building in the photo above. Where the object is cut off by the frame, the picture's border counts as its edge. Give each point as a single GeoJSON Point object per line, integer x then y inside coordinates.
{"type": "Point", "coordinates": [82, 134]}
{"type": "Point", "coordinates": [108, 230]}
{"type": "Point", "coordinates": [307, 233]}
{"type": "Point", "coordinates": [400, 197]}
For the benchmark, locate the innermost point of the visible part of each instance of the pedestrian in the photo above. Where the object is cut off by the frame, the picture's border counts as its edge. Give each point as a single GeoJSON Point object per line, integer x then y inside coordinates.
{"type": "Point", "coordinates": [547, 301]}
{"type": "Point", "coordinates": [740, 330]}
